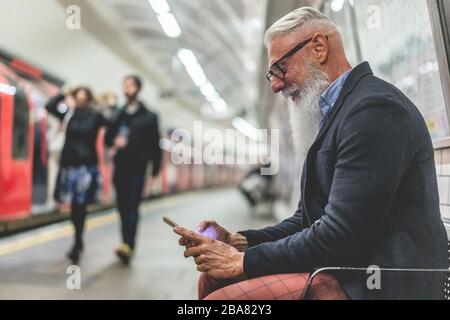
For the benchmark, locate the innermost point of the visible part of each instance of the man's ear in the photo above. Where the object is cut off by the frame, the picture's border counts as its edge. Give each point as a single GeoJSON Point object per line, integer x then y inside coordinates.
{"type": "Point", "coordinates": [320, 47]}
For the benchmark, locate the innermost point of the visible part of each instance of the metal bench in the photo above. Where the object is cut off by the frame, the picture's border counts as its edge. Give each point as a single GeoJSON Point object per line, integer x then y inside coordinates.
{"type": "Point", "coordinates": [351, 269]}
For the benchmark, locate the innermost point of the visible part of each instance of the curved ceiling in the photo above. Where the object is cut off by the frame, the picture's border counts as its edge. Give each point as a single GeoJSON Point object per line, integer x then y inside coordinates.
{"type": "Point", "coordinates": [225, 37]}
{"type": "Point", "coordinates": [215, 42]}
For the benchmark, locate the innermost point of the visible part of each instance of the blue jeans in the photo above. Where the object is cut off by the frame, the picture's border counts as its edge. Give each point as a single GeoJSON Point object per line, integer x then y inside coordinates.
{"type": "Point", "coordinates": [129, 189]}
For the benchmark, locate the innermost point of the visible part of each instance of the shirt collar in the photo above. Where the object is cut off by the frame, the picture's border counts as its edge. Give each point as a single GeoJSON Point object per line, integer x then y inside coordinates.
{"type": "Point", "coordinates": [331, 94]}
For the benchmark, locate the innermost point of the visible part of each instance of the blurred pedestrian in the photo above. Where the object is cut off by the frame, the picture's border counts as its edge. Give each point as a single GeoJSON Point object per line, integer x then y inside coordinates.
{"type": "Point", "coordinates": [134, 139]}
{"type": "Point", "coordinates": [78, 181]}
{"type": "Point", "coordinates": [107, 104]}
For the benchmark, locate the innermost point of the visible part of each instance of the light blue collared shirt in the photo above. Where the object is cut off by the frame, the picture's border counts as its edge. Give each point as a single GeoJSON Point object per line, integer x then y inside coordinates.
{"type": "Point", "coordinates": [330, 96]}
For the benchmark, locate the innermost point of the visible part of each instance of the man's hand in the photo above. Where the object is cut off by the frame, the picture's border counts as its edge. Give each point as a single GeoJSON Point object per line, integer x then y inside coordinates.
{"type": "Point", "coordinates": [120, 142]}
{"type": "Point", "coordinates": [221, 233]}
{"type": "Point", "coordinates": [238, 241]}
{"type": "Point", "coordinates": [215, 258]}
{"type": "Point", "coordinates": [235, 240]}
{"type": "Point", "coordinates": [112, 153]}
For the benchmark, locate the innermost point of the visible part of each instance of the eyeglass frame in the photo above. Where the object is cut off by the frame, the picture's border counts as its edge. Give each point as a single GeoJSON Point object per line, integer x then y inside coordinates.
{"type": "Point", "coordinates": [291, 52]}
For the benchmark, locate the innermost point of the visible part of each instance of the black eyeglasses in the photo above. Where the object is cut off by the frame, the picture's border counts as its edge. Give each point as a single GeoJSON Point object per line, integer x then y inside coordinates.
{"type": "Point", "coordinates": [276, 70]}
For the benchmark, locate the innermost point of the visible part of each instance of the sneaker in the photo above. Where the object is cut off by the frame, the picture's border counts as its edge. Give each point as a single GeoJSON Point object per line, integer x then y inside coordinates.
{"type": "Point", "coordinates": [124, 253]}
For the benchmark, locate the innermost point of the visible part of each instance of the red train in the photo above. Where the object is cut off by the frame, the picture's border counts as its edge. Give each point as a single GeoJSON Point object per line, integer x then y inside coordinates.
{"type": "Point", "coordinates": [29, 153]}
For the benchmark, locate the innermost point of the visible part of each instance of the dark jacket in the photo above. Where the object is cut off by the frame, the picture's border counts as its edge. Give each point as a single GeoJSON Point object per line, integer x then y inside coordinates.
{"type": "Point", "coordinates": [81, 133]}
{"type": "Point", "coordinates": [369, 197]}
{"type": "Point", "coordinates": [143, 142]}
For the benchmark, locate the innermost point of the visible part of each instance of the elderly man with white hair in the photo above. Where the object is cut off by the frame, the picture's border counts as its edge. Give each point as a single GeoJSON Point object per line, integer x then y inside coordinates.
{"type": "Point", "coordinates": [369, 190]}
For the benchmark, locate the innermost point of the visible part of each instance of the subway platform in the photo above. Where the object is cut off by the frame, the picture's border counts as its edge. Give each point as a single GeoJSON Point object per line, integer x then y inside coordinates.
{"type": "Point", "coordinates": [33, 265]}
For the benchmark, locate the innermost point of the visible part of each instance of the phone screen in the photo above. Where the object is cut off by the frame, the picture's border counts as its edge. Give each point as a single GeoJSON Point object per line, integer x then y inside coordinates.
{"type": "Point", "coordinates": [210, 232]}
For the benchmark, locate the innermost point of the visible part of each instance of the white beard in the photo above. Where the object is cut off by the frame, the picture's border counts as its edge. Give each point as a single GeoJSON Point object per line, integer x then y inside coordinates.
{"type": "Point", "coordinates": [305, 114]}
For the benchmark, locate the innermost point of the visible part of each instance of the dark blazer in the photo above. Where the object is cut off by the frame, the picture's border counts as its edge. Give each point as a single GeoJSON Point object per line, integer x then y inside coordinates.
{"type": "Point", "coordinates": [369, 197]}
{"type": "Point", "coordinates": [143, 142]}
{"type": "Point", "coordinates": [81, 133]}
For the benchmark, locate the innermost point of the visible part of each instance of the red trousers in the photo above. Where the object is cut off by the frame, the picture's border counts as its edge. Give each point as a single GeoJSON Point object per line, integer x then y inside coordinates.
{"type": "Point", "coordinates": [273, 287]}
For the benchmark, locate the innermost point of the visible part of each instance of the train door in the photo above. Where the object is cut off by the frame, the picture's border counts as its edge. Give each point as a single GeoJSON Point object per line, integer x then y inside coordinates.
{"type": "Point", "coordinates": [44, 153]}
{"type": "Point", "coordinates": [40, 192]}
{"type": "Point", "coordinates": [16, 133]}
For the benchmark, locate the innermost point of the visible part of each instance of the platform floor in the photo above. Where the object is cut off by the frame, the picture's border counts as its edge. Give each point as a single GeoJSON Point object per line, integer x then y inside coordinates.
{"type": "Point", "coordinates": [33, 264]}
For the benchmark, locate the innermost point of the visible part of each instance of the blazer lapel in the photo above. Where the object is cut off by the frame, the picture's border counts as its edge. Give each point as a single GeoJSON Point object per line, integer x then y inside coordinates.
{"type": "Point", "coordinates": [353, 79]}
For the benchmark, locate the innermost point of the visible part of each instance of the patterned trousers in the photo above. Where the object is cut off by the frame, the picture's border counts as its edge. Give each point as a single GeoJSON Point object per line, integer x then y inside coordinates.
{"type": "Point", "coordinates": [273, 287]}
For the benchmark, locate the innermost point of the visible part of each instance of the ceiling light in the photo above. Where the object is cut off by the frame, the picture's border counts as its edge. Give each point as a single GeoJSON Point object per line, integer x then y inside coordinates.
{"type": "Point", "coordinates": [208, 90]}
{"type": "Point", "coordinates": [192, 67]}
{"type": "Point", "coordinates": [219, 105]}
{"type": "Point", "coordinates": [246, 128]}
{"type": "Point", "coordinates": [198, 76]}
{"type": "Point", "coordinates": [337, 5]}
{"type": "Point", "coordinates": [160, 6]}
{"type": "Point", "coordinates": [169, 25]}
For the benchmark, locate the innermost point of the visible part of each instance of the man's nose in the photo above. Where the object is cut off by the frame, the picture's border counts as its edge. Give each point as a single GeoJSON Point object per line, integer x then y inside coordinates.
{"type": "Point", "coordinates": [277, 85]}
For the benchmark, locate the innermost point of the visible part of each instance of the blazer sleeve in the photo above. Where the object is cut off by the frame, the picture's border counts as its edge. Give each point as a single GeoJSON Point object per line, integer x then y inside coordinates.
{"type": "Point", "coordinates": [372, 146]}
{"type": "Point", "coordinates": [52, 107]}
{"type": "Point", "coordinates": [285, 228]}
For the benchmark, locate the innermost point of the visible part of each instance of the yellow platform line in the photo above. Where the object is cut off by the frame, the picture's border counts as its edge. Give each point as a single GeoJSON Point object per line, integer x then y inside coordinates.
{"type": "Point", "coordinates": [35, 240]}
{"type": "Point", "coordinates": [91, 224]}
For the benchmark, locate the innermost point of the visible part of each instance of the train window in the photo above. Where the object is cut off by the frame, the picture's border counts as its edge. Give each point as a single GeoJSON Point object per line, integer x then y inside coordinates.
{"type": "Point", "coordinates": [21, 120]}
{"type": "Point", "coordinates": [396, 38]}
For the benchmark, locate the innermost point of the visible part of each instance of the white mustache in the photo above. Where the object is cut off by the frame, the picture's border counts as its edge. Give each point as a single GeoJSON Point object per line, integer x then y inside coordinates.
{"type": "Point", "coordinates": [290, 92]}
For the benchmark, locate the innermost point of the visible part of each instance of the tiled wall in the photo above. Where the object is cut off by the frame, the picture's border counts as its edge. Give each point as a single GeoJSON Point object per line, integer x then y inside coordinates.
{"type": "Point", "coordinates": [442, 157]}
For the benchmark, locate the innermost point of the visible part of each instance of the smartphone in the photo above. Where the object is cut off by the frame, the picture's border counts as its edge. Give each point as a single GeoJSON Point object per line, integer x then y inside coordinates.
{"type": "Point", "coordinates": [170, 222]}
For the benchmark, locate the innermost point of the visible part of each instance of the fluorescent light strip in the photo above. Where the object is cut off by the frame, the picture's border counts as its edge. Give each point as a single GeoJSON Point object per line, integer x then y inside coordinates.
{"type": "Point", "coordinates": [220, 105]}
{"type": "Point", "coordinates": [337, 5]}
{"type": "Point", "coordinates": [195, 71]}
{"type": "Point", "coordinates": [192, 66]}
{"type": "Point", "coordinates": [160, 6]}
{"type": "Point", "coordinates": [169, 25]}
{"type": "Point", "coordinates": [209, 91]}
{"type": "Point", "coordinates": [247, 129]}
